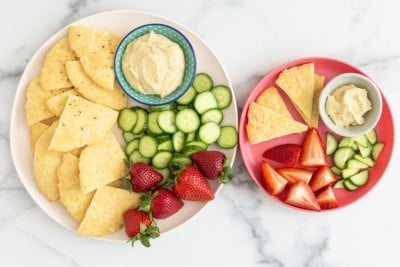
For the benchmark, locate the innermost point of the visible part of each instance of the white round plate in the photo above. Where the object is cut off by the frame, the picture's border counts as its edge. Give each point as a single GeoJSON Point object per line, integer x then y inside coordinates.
{"type": "Point", "coordinates": [120, 22]}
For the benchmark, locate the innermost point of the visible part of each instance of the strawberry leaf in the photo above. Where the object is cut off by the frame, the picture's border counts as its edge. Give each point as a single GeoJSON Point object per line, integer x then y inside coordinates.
{"type": "Point", "coordinates": [127, 163]}
{"type": "Point", "coordinates": [145, 201]}
{"type": "Point", "coordinates": [226, 175]}
{"type": "Point", "coordinates": [128, 183]}
{"type": "Point", "coordinates": [146, 233]}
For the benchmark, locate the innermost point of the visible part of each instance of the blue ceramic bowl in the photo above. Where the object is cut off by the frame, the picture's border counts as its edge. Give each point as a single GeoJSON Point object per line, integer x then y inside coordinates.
{"type": "Point", "coordinates": [175, 36]}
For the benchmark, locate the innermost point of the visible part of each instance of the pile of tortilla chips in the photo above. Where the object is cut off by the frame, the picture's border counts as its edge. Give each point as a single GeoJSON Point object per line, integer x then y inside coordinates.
{"type": "Point", "coordinates": [268, 116]}
{"type": "Point", "coordinates": [71, 109]}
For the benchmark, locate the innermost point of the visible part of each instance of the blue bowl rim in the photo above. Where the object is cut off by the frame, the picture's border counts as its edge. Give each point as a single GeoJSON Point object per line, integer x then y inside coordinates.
{"type": "Point", "coordinates": [194, 63]}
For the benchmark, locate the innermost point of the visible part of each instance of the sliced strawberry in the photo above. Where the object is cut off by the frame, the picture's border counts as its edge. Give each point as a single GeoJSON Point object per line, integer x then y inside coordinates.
{"type": "Point", "coordinates": [301, 196]}
{"type": "Point", "coordinates": [273, 181]}
{"type": "Point", "coordinates": [287, 154]}
{"type": "Point", "coordinates": [326, 198]}
{"type": "Point", "coordinates": [293, 175]}
{"type": "Point", "coordinates": [313, 154]}
{"type": "Point", "coordinates": [323, 176]}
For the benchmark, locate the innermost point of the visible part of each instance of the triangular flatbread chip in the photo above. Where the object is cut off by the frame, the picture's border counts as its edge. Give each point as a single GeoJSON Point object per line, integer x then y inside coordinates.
{"type": "Point", "coordinates": [265, 124]}
{"type": "Point", "coordinates": [318, 85]}
{"type": "Point", "coordinates": [45, 164]}
{"type": "Point", "coordinates": [271, 99]}
{"type": "Point", "coordinates": [101, 164]}
{"type": "Point", "coordinates": [298, 84]}
{"type": "Point", "coordinates": [71, 195]}
{"type": "Point", "coordinates": [82, 123]}
{"type": "Point", "coordinates": [95, 49]}
{"type": "Point", "coordinates": [35, 131]}
{"type": "Point", "coordinates": [56, 103]}
{"type": "Point", "coordinates": [105, 213]}
{"type": "Point", "coordinates": [53, 74]}
{"type": "Point", "coordinates": [115, 99]}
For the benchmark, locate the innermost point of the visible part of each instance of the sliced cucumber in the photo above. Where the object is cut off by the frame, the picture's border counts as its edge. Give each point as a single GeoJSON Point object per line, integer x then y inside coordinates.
{"type": "Point", "coordinates": [376, 150]}
{"type": "Point", "coordinates": [361, 140]}
{"type": "Point", "coordinates": [336, 171]}
{"type": "Point", "coordinates": [228, 137]}
{"type": "Point", "coordinates": [128, 136]}
{"type": "Point", "coordinates": [131, 146]}
{"type": "Point", "coordinates": [356, 164]}
{"type": "Point", "coordinates": [148, 146]}
{"type": "Point", "coordinates": [203, 145]}
{"type": "Point", "coordinates": [223, 95]}
{"type": "Point", "coordinates": [181, 159]}
{"type": "Point", "coordinates": [127, 119]}
{"type": "Point", "coordinates": [349, 185]}
{"type": "Point", "coordinates": [187, 120]}
{"type": "Point", "coordinates": [163, 138]}
{"type": "Point", "coordinates": [360, 178]}
{"type": "Point", "coordinates": [189, 150]}
{"type": "Point", "coordinates": [204, 102]}
{"type": "Point", "coordinates": [348, 172]}
{"type": "Point", "coordinates": [341, 156]}
{"type": "Point", "coordinates": [187, 97]}
{"type": "Point", "coordinates": [331, 144]}
{"type": "Point", "coordinates": [365, 151]}
{"type": "Point", "coordinates": [161, 159]}
{"type": "Point", "coordinates": [355, 146]}
{"type": "Point", "coordinates": [135, 157]}
{"type": "Point", "coordinates": [202, 82]}
{"type": "Point", "coordinates": [209, 132]}
{"type": "Point", "coordinates": [152, 126]}
{"type": "Point", "coordinates": [163, 107]}
{"type": "Point", "coordinates": [165, 146]}
{"type": "Point", "coordinates": [190, 137]}
{"type": "Point", "coordinates": [214, 115]}
{"type": "Point", "coordinates": [346, 142]}
{"type": "Point", "coordinates": [366, 160]}
{"type": "Point", "coordinates": [178, 141]}
{"type": "Point", "coordinates": [339, 184]}
{"type": "Point", "coordinates": [372, 137]}
{"type": "Point", "coordinates": [141, 123]}
{"type": "Point", "coordinates": [166, 121]}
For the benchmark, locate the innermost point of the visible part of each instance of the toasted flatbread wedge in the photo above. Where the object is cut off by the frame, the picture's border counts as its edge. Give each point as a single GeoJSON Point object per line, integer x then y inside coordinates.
{"type": "Point", "coordinates": [298, 83]}
{"type": "Point", "coordinates": [271, 99]}
{"type": "Point", "coordinates": [318, 85]}
{"type": "Point", "coordinates": [53, 74]}
{"type": "Point", "coordinates": [105, 213]}
{"type": "Point", "coordinates": [35, 131]}
{"type": "Point", "coordinates": [56, 103]}
{"type": "Point", "coordinates": [264, 124]}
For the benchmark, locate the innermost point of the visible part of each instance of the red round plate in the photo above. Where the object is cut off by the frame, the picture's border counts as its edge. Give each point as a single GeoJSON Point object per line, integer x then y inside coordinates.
{"type": "Point", "coordinates": [252, 154]}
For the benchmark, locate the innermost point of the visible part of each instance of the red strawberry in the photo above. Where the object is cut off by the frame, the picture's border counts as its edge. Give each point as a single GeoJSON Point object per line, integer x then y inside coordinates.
{"type": "Point", "coordinates": [192, 185]}
{"type": "Point", "coordinates": [326, 198]}
{"type": "Point", "coordinates": [273, 181]}
{"type": "Point", "coordinates": [143, 177]}
{"type": "Point", "coordinates": [293, 175]}
{"type": "Point", "coordinates": [287, 154]}
{"type": "Point", "coordinates": [211, 165]}
{"type": "Point", "coordinates": [323, 176]}
{"type": "Point", "coordinates": [162, 202]}
{"type": "Point", "coordinates": [139, 226]}
{"type": "Point", "coordinates": [301, 196]}
{"type": "Point", "coordinates": [313, 154]}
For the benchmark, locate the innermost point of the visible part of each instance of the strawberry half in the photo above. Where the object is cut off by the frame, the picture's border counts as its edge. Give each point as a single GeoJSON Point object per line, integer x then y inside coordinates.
{"type": "Point", "coordinates": [322, 177]}
{"type": "Point", "coordinates": [287, 154]}
{"type": "Point", "coordinates": [191, 185]}
{"type": "Point", "coordinates": [326, 198]}
{"type": "Point", "coordinates": [143, 177]}
{"type": "Point", "coordinates": [313, 154]}
{"type": "Point", "coordinates": [162, 203]}
{"type": "Point", "coordinates": [301, 196]}
{"type": "Point", "coordinates": [293, 175]}
{"type": "Point", "coordinates": [273, 181]}
{"type": "Point", "coordinates": [211, 165]}
{"type": "Point", "coordinates": [139, 226]}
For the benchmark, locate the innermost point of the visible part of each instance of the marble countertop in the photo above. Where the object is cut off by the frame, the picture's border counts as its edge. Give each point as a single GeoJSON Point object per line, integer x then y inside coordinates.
{"type": "Point", "coordinates": [242, 227]}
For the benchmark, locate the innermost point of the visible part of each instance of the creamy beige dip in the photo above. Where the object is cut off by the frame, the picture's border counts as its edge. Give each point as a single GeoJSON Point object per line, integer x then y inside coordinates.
{"type": "Point", "coordinates": [153, 64]}
{"type": "Point", "coordinates": [347, 105]}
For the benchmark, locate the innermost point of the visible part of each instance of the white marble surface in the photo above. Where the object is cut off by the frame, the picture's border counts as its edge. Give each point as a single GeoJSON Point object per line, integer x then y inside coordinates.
{"type": "Point", "coordinates": [243, 227]}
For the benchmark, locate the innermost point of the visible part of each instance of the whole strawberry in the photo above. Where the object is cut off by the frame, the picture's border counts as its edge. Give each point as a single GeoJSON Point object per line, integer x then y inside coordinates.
{"type": "Point", "coordinates": [211, 165]}
{"type": "Point", "coordinates": [139, 226]}
{"type": "Point", "coordinates": [143, 177]}
{"type": "Point", "coordinates": [162, 203]}
{"type": "Point", "coordinates": [191, 185]}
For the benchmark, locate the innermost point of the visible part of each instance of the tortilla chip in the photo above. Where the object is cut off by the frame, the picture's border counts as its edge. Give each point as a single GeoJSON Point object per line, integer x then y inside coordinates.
{"type": "Point", "coordinates": [298, 84]}
{"type": "Point", "coordinates": [318, 85]}
{"type": "Point", "coordinates": [105, 213]}
{"type": "Point", "coordinates": [271, 99]}
{"type": "Point", "coordinates": [35, 107]}
{"type": "Point", "coordinates": [35, 131]}
{"type": "Point", "coordinates": [69, 188]}
{"type": "Point", "coordinates": [101, 163]}
{"type": "Point", "coordinates": [82, 123]}
{"type": "Point", "coordinates": [265, 124]}
{"type": "Point", "coordinates": [56, 103]}
{"type": "Point", "coordinates": [53, 74]}
{"type": "Point", "coordinates": [45, 164]}
{"type": "Point", "coordinates": [115, 99]}
{"type": "Point", "coordinates": [49, 121]}
{"type": "Point", "coordinates": [116, 183]}
{"type": "Point", "coordinates": [95, 50]}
